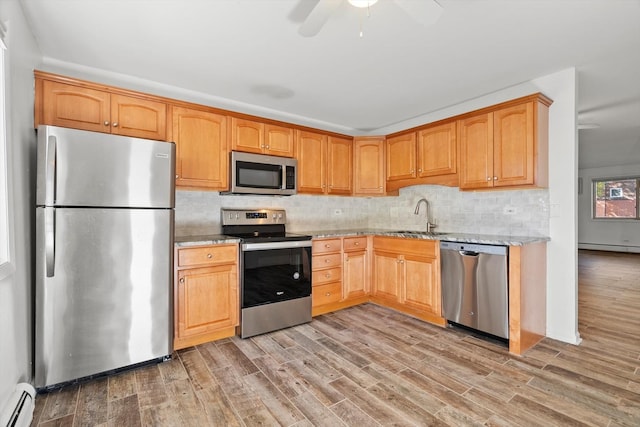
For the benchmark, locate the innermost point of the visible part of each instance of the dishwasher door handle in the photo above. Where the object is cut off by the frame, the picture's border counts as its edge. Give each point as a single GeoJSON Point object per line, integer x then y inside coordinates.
{"type": "Point", "coordinates": [469, 253]}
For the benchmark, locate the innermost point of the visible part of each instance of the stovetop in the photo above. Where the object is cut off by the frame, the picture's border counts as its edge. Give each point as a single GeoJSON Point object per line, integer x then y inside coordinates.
{"type": "Point", "coordinates": [257, 225]}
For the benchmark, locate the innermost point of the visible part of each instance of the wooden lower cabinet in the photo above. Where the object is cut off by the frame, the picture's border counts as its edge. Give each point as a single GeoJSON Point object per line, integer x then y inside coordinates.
{"type": "Point", "coordinates": [206, 297]}
{"type": "Point", "coordinates": [406, 276]}
{"type": "Point", "coordinates": [340, 274]}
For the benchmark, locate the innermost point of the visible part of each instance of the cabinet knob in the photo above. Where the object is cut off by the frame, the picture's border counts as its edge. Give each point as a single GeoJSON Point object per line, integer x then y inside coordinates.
{"type": "Point", "coordinates": [177, 176]}
{"type": "Point", "coordinates": [412, 170]}
{"type": "Point", "coordinates": [262, 146]}
{"type": "Point", "coordinates": [419, 170]}
{"type": "Point", "coordinates": [106, 123]}
{"type": "Point", "coordinates": [328, 275]}
{"type": "Point", "coordinates": [380, 188]}
{"type": "Point", "coordinates": [327, 246]}
{"type": "Point", "coordinates": [488, 178]}
{"type": "Point", "coordinates": [328, 294]}
{"type": "Point", "coordinates": [209, 256]}
{"type": "Point", "coordinates": [495, 178]}
{"type": "Point", "coordinates": [182, 280]}
{"type": "Point", "coordinates": [356, 243]}
{"type": "Point", "coordinates": [115, 124]}
{"type": "Point", "coordinates": [267, 147]}
{"type": "Point", "coordinates": [327, 261]}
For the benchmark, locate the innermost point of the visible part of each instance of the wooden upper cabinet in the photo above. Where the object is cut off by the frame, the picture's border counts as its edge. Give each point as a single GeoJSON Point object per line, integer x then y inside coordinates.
{"type": "Point", "coordinates": [81, 107]}
{"type": "Point", "coordinates": [325, 163]}
{"type": "Point", "coordinates": [141, 118]}
{"type": "Point", "coordinates": [262, 138]}
{"type": "Point", "coordinates": [75, 107]}
{"type": "Point", "coordinates": [507, 147]}
{"type": "Point", "coordinates": [476, 151]}
{"type": "Point", "coordinates": [368, 174]}
{"type": "Point", "coordinates": [202, 159]}
{"type": "Point", "coordinates": [437, 150]}
{"type": "Point", "coordinates": [278, 140]}
{"type": "Point", "coordinates": [513, 146]}
{"type": "Point", "coordinates": [311, 152]}
{"type": "Point", "coordinates": [401, 157]}
{"type": "Point", "coordinates": [339, 165]}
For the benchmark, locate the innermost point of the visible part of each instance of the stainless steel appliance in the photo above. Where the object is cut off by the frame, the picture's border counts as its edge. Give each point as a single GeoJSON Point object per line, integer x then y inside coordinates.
{"type": "Point", "coordinates": [475, 291]}
{"type": "Point", "coordinates": [275, 276]}
{"type": "Point", "coordinates": [262, 174]}
{"type": "Point", "coordinates": [104, 245]}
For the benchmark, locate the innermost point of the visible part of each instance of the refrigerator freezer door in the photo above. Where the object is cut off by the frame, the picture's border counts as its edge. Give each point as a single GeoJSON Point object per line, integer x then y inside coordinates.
{"type": "Point", "coordinates": [107, 303]}
{"type": "Point", "coordinates": [81, 168]}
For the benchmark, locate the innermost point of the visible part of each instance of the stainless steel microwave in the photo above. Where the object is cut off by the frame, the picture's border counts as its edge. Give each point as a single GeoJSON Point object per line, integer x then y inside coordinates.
{"type": "Point", "coordinates": [262, 174]}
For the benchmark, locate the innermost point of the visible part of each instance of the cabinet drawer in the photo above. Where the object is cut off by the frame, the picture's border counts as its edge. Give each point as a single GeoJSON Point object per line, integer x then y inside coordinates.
{"type": "Point", "coordinates": [326, 294]}
{"type": "Point", "coordinates": [326, 246]}
{"type": "Point", "coordinates": [326, 276]}
{"type": "Point", "coordinates": [326, 261]}
{"type": "Point", "coordinates": [207, 255]}
{"type": "Point", "coordinates": [355, 243]}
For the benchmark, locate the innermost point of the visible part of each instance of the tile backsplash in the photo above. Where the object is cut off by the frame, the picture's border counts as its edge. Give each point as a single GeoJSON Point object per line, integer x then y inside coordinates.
{"type": "Point", "coordinates": [505, 212]}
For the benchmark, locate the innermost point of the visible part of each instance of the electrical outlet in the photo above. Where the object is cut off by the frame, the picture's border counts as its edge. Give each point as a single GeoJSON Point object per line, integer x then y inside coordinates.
{"type": "Point", "coordinates": [510, 210]}
{"type": "Point", "coordinates": [337, 211]}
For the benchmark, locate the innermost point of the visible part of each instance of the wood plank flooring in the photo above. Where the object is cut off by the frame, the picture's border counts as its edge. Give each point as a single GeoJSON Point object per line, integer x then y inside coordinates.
{"type": "Point", "coordinates": [368, 366]}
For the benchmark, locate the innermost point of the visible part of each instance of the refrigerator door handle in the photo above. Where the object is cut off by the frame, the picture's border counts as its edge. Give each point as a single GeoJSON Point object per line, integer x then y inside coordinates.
{"type": "Point", "coordinates": [49, 240]}
{"type": "Point", "coordinates": [50, 176]}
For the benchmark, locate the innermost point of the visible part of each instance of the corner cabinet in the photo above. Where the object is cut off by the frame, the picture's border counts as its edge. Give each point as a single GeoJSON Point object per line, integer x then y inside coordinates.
{"type": "Point", "coordinates": [368, 171]}
{"type": "Point", "coordinates": [100, 110]}
{"type": "Point", "coordinates": [206, 297]}
{"type": "Point", "coordinates": [506, 147]}
{"type": "Point", "coordinates": [406, 277]}
{"type": "Point", "coordinates": [325, 163]}
{"type": "Point", "coordinates": [261, 138]}
{"type": "Point", "coordinates": [202, 159]}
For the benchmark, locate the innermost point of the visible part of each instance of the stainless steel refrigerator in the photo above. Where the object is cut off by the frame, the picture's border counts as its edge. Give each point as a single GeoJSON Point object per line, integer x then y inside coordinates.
{"type": "Point", "coordinates": [104, 245]}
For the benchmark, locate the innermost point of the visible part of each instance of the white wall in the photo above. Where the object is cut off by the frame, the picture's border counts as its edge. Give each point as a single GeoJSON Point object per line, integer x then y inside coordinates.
{"type": "Point", "coordinates": [605, 234]}
{"type": "Point", "coordinates": [15, 290]}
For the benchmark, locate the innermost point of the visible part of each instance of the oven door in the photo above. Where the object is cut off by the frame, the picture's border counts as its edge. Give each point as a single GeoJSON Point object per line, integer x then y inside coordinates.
{"type": "Point", "coordinates": [275, 271]}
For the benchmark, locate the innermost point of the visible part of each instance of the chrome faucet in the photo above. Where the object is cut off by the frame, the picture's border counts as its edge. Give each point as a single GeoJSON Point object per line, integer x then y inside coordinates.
{"type": "Point", "coordinates": [430, 225]}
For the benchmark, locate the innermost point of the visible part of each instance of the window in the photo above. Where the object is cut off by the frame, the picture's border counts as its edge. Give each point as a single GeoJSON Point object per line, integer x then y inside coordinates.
{"type": "Point", "coordinates": [615, 198]}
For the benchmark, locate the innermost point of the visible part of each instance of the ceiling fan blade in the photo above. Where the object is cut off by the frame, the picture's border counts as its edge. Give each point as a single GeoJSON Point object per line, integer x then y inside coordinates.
{"type": "Point", "coordinates": [318, 17]}
{"type": "Point", "coordinates": [424, 12]}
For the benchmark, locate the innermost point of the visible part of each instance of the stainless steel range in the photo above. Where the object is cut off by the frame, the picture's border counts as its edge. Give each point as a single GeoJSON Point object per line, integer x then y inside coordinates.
{"type": "Point", "coordinates": [275, 270]}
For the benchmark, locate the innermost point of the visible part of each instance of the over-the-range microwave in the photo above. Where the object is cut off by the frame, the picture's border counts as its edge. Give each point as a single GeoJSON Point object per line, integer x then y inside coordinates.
{"type": "Point", "coordinates": [262, 174]}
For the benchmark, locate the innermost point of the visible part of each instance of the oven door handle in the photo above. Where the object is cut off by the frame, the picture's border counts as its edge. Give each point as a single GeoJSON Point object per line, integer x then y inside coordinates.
{"type": "Point", "coordinates": [290, 244]}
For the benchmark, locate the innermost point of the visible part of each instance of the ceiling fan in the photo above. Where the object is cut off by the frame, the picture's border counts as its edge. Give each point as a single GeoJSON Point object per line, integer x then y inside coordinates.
{"type": "Point", "coordinates": [425, 12]}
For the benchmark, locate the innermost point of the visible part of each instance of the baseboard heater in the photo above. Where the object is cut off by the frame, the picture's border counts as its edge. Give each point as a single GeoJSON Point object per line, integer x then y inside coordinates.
{"type": "Point", "coordinates": [18, 412]}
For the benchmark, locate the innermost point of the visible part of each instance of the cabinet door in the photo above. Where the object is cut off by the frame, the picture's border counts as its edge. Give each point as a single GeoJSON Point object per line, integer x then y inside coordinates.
{"type": "Point", "coordinates": [311, 151]}
{"type": "Point", "coordinates": [247, 135]}
{"type": "Point", "coordinates": [386, 275]}
{"type": "Point", "coordinates": [339, 165]}
{"type": "Point", "coordinates": [437, 150]}
{"type": "Point", "coordinates": [355, 283]}
{"type": "Point", "coordinates": [201, 149]}
{"type": "Point", "coordinates": [401, 157]}
{"type": "Point", "coordinates": [278, 140]}
{"type": "Point", "coordinates": [207, 300]}
{"type": "Point", "coordinates": [75, 107]}
{"type": "Point", "coordinates": [421, 285]}
{"type": "Point", "coordinates": [513, 145]}
{"type": "Point", "coordinates": [369, 166]}
{"type": "Point", "coordinates": [476, 151]}
{"type": "Point", "coordinates": [140, 118]}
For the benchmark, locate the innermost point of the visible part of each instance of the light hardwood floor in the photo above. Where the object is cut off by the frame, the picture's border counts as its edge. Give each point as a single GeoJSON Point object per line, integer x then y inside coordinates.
{"type": "Point", "coordinates": [368, 366]}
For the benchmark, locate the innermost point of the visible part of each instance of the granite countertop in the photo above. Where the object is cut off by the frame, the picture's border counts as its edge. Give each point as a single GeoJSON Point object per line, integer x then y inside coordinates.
{"type": "Point", "coordinates": [204, 239]}
{"type": "Point", "coordinates": [487, 239]}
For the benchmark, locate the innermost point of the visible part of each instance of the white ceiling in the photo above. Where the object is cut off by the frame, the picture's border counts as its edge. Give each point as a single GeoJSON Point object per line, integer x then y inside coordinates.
{"type": "Point", "coordinates": [247, 54]}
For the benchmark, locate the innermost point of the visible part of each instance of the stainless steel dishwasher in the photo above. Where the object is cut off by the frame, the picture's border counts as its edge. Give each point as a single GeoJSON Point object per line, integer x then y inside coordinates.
{"type": "Point", "coordinates": [475, 290]}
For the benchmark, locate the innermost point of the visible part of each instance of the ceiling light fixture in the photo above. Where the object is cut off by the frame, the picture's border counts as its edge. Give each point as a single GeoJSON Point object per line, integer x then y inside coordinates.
{"type": "Point", "coordinates": [362, 3]}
